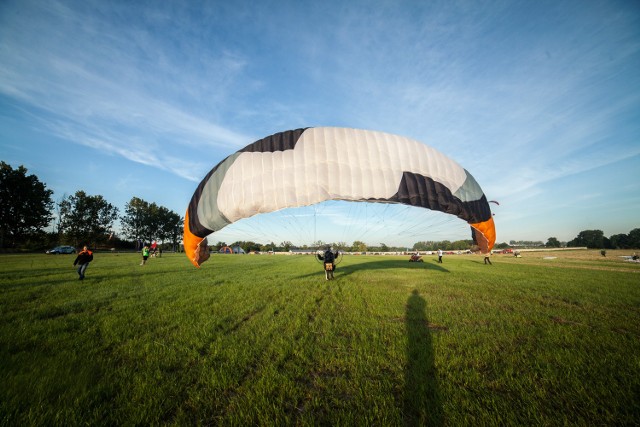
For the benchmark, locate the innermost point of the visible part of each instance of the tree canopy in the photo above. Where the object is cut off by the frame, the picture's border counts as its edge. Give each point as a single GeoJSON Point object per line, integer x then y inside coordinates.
{"type": "Point", "coordinates": [553, 243]}
{"type": "Point", "coordinates": [87, 219]}
{"type": "Point", "coordinates": [25, 205]}
{"type": "Point", "coordinates": [147, 221]}
{"type": "Point", "coordinates": [593, 239]}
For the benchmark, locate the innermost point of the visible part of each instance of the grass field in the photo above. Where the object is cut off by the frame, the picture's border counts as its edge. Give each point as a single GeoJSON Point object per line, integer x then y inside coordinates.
{"type": "Point", "coordinates": [265, 340]}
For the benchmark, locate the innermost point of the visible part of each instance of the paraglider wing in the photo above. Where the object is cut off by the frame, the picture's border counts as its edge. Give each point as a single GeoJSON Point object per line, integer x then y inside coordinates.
{"type": "Point", "coordinates": [306, 166]}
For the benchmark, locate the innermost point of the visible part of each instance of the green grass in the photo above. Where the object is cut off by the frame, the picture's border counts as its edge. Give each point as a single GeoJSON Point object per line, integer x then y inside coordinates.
{"type": "Point", "coordinates": [265, 340]}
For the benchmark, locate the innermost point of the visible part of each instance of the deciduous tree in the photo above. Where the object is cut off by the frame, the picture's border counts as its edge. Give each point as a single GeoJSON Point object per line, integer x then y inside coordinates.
{"type": "Point", "coordinates": [593, 239]}
{"type": "Point", "coordinates": [87, 219]}
{"type": "Point", "coordinates": [552, 242]}
{"type": "Point", "coordinates": [149, 221]}
{"type": "Point", "coordinates": [633, 238]}
{"type": "Point", "coordinates": [25, 205]}
{"type": "Point", "coordinates": [133, 220]}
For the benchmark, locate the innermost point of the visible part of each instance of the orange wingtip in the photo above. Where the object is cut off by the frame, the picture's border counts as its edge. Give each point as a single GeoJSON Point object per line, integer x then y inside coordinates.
{"type": "Point", "coordinates": [485, 234]}
{"type": "Point", "coordinates": [194, 247]}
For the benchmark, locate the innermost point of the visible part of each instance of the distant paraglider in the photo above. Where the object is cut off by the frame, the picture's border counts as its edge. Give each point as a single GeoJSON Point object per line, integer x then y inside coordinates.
{"type": "Point", "coordinates": [294, 168]}
{"type": "Point", "coordinates": [493, 201]}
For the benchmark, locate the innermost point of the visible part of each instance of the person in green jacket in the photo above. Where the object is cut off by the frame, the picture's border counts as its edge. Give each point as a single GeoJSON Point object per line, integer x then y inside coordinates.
{"type": "Point", "coordinates": [145, 254]}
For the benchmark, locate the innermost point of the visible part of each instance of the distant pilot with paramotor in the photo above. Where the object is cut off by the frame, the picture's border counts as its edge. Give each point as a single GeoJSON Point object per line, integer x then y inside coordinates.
{"type": "Point", "coordinates": [328, 259]}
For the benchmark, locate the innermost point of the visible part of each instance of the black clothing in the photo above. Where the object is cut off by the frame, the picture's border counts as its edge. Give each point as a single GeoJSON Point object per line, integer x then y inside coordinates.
{"type": "Point", "coordinates": [329, 256]}
{"type": "Point", "coordinates": [84, 257]}
{"type": "Point", "coordinates": [329, 261]}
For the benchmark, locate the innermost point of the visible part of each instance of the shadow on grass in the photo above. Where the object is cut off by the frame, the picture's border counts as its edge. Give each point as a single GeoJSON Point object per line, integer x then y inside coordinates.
{"type": "Point", "coordinates": [343, 269]}
{"type": "Point", "coordinates": [422, 400]}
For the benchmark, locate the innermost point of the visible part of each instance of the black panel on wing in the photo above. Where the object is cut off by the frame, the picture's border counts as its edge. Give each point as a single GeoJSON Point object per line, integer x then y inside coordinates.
{"type": "Point", "coordinates": [277, 142]}
{"type": "Point", "coordinates": [419, 190]}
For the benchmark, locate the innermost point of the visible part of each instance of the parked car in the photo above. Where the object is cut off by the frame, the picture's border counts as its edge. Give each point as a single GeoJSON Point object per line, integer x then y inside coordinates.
{"type": "Point", "coordinates": [62, 250]}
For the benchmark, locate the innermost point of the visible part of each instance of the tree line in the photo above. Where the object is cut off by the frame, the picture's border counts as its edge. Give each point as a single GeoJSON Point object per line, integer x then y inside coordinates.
{"type": "Point", "coordinates": [27, 209]}
{"type": "Point", "coordinates": [356, 246]}
{"type": "Point", "coordinates": [595, 239]}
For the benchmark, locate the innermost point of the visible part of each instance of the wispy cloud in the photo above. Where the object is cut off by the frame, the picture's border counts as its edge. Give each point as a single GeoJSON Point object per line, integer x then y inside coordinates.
{"type": "Point", "coordinates": [96, 94]}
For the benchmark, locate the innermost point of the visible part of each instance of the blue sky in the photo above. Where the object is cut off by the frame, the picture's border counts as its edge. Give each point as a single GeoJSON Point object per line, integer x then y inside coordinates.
{"type": "Point", "coordinates": [540, 101]}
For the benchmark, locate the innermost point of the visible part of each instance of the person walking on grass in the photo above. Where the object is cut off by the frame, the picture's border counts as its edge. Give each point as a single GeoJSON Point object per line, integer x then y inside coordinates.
{"type": "Point", "coordinates": [487, 258]}
{"type": "Point", "coordinates": [82, 260]}
{"type": "Point", "coordinates": [439, 256]}
{"type": "Point", "coordinates": [145, 254]}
